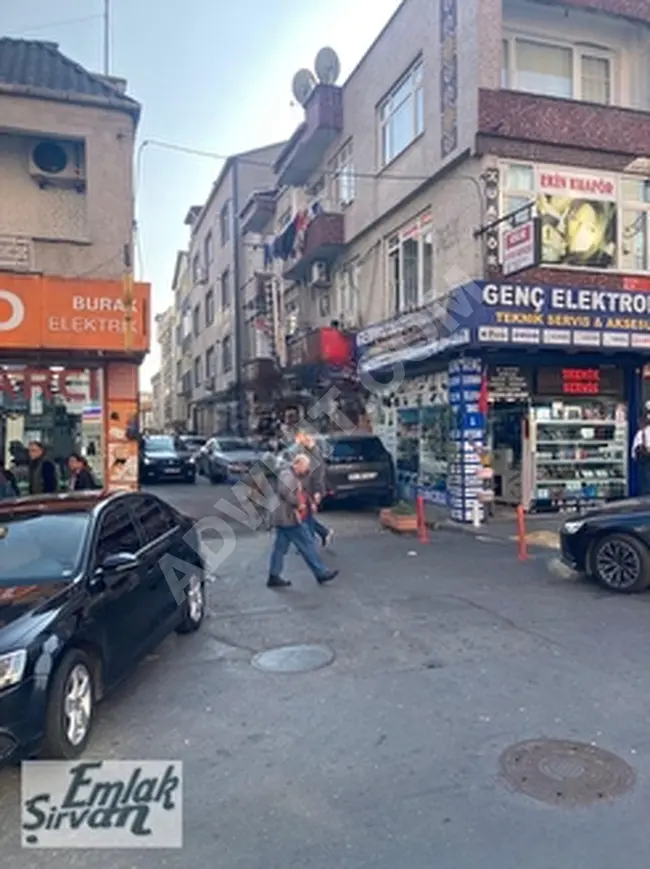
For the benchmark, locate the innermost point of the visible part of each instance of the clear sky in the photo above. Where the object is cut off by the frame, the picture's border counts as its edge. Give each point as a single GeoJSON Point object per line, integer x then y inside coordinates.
{"type": "Point", "coordinates": [214, 75]}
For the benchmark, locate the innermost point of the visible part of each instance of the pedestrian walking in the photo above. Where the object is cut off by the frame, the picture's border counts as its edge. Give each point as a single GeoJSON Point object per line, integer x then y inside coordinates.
{"type": "Point", "coordinates": [289, 515]}
{"type": "Point", "coordinates": [42, 475]}
{"type": "Point", "coordinates": [641, 452]}
{"type": "Point", "coordinates": [8, 485]}
{"type": "Point", "coordinates": [316, 484]}
{"type": "Point", "coordinates": [81, 477]}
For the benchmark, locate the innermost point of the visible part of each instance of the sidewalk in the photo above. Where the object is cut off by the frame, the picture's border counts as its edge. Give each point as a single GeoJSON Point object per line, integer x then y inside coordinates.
{"type": "Point", "coordinates": [541, 530]}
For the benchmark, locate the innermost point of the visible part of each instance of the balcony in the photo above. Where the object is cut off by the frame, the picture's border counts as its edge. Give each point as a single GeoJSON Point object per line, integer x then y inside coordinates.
{"type": "Point", "coordinates": [545, 121]}
{"type": "Point", "coordinates": [324, 242]}
{"type": "Point", "coordinates": [308, 145]}
{"type": "Point", "coordinates": [258, 212]}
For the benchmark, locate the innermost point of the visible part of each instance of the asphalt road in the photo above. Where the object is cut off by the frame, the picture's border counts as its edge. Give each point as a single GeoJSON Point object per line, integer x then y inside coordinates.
{"type": "Point", "coordinates": [445, 655]}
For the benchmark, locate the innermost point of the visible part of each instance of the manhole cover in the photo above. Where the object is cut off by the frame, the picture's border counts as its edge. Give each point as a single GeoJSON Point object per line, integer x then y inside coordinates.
{"type": "Point", "coordinates": [294, 659]}
{"type": "Point", "coordinates": [566, 773]}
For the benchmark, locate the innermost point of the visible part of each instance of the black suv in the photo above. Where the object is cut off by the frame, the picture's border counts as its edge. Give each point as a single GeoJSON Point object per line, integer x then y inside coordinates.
{"type": "Point", "coordinates": [164, 457]}
{"type": "Point", "coordinates": [358, 467]}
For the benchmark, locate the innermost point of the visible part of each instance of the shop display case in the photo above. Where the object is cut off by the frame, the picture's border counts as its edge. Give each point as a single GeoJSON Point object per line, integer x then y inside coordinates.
{"type": "Point", "coordinates": [579, 452]}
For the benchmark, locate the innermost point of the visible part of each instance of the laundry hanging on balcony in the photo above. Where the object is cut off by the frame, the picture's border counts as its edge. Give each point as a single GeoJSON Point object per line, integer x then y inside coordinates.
{"type": "Point", "coordinates": [291, 241]}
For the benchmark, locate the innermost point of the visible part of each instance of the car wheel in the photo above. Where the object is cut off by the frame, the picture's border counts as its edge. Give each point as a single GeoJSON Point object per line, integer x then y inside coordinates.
{"type": "Point", "coordinates": [193, 606]}
{"type": "Point", "coordinates": [70, 708]}
{"type": "Point", "coordinates": [621, 563]}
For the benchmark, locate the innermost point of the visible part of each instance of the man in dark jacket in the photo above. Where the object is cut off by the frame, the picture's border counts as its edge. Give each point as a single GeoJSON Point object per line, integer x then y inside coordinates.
{"type": "Point", "coordinates": [289, 515]}
{"type": "Point", "coordinates": [43, 478]}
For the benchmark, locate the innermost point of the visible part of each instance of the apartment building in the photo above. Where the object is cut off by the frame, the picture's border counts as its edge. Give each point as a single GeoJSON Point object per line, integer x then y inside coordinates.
{"type": "Point", "coordinates": [182, 335]}
{"type": "Point", "coordinates": [165, 337]}
{"type": "Point", "coordinates": [220, 275]}
{"type": "Point", "coordinates": [67, 314]}
{"type": "Point", "coordinates": [459, 115]}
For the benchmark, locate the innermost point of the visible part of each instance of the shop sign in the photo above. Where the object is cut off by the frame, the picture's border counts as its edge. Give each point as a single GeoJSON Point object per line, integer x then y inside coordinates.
{"type": "Point", "coordinates": [542, 315]}
{"type": "Point", "coordinates": [509, 383]}
{"type": "Point", "coordinates": [580, 381]}
{"type": "Point", "coordinates": [521, 243]}
{"type": "Point", "coordinates": [73, 386]}
{"type": "Point", "coordinates": [71, 314]}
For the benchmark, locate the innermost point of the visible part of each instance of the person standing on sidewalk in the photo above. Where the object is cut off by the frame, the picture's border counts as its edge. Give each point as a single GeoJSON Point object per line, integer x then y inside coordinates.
{"type": "Point", "coordinates": [291, 511]}
{"type": "Point", "coordinates": [43, 479]}
{"type": "Point", "coordinates": [641, 452]}
{"type": "Point", "coordinates": [316, 484]}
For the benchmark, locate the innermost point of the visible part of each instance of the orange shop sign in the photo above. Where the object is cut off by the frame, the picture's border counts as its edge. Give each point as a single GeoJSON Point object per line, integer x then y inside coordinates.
{"type": "Point", "coordinates": [71, 314]}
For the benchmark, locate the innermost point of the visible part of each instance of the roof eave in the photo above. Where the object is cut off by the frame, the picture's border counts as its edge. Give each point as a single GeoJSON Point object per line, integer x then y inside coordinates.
{"type": "Point", "coordinates": [119, 104]}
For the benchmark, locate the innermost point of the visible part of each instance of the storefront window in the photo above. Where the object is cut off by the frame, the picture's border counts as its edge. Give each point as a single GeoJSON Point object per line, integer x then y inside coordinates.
{"type": "Point", "coordinates": [60, 407]}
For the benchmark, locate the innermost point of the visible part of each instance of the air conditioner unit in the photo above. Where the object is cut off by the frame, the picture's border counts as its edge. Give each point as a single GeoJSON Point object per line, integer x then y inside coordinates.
{"type": "Point", "coordinates": [56, 163]}
{"type": "Point", "coordinates": [320, 275]}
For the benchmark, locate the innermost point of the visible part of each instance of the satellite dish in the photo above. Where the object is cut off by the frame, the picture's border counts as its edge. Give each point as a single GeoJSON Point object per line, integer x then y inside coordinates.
{"type": "Point", "coordinates": [303, 84]}
{"type": "Point", "coordinates": [327, 66]}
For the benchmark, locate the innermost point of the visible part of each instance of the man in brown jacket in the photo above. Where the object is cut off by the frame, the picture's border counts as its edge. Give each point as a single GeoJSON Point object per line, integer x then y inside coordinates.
{"type": "Point", "coordinates": [316, 483]}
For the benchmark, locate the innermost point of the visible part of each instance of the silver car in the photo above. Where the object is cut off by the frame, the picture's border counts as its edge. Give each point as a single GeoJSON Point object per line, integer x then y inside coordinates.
{"type": "Point", "coordinates": [225, 459]}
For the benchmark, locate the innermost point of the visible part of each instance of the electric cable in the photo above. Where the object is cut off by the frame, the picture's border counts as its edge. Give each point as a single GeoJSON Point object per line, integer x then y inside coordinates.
{"type": "Point", "coordinates": [61, 23]}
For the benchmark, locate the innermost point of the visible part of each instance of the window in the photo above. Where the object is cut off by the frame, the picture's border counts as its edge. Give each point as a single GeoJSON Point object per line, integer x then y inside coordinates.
{"type": "Point", "coordinates": [557, 70]}
{"type": "Point", "coordinates": [197, 371]}
{"type": "Point", "coordinates": [209, 307]}
{"type": "Point", "coordinates": [362, 449]}
{"type": "Point", "coordinates": [225, 290]}
{"type": "Point", "coordinates": [42, 548]}
{"type": "Point", "coordinates": [196, 320]}
{"type": "Point", "coordinates": [224, 224]}
{"type": "Point", "coordinates": [187, 323]}
{"type": "Point", "coordinates": [410, 265]}
{"type": "Point", "coordinates": [401, 115]}
{"type": "Point", "coordinates": [635, 225]}
{"type": "Point", "coordinates": [179, 371]}
{"type": "Point", "coordinates": [342, 176]}
{"type": "Point", "coordinates": [208, 249]}
{"type": "Point", "coordinates": [117, 534]}
{"type": "Point", "coordinates": [349, 291]}
{"type": "Point", "coordinates": [209, 362]}
{"type": "Point", "coordinates": [196, 269]}
{"type": "Point", "coordinates": [226, 354]}
{"type": "Point", "coordinates": [155, 518]}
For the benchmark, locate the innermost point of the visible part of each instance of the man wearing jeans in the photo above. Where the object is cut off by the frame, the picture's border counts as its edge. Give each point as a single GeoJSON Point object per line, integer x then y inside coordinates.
{"type": "Point", "coordinates": [291, 511]}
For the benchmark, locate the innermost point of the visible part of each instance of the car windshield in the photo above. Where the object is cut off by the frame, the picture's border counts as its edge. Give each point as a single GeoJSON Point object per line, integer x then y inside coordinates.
{"type": "Point", "coordinates": [159, 445]}
{"type": "Point", "coordinates": [234, 445]}
{"type": "Point", "coordinates": [42, 547]}
{"type": "Point", "coordinates": [357, 450]}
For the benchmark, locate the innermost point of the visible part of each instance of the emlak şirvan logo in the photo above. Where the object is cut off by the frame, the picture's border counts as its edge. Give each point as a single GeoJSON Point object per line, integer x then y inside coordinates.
{"type": "Point", "coordinates": [102, 804]}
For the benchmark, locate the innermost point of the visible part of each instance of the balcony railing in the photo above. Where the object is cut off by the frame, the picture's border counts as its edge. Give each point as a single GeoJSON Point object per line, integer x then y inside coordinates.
{"type": "Point", "coordinates": [505, 114]}
{"type": "Point", "coordinates": [258, 212]}
{"type": "Point", "coordinates": [324, 242]}
{"type": "Point", "coordinates": [308, 145]}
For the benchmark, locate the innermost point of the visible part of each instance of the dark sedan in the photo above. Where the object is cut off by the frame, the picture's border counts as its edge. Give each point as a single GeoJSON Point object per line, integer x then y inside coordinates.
{"type": "Point", "coordinates": [85, 592]}
{"type": "Point", "coordinates": [612, 544]}
{"type": "Point", "coordinates": [163, 457]}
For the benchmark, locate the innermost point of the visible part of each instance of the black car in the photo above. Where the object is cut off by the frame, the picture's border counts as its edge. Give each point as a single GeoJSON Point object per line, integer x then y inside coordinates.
{"type": "Point", "coordinates": [612, 544]}
{"type": "Point", "coordinates": [83, 597]}
{"type": "Point", "coordinates": [358, 467]}
{"type": "Point", "coordinates": [164, 457]}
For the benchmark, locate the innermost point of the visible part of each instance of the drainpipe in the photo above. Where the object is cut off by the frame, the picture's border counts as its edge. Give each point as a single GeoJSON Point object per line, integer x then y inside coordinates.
{"type": "Point", "coordinates": [237, 302]}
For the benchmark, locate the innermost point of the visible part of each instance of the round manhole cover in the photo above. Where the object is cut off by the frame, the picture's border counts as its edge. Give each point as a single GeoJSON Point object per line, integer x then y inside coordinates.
{"type": "Point", "coordinates": [294, 659]}
{"type": "Point", "coordinates": [566, 773]}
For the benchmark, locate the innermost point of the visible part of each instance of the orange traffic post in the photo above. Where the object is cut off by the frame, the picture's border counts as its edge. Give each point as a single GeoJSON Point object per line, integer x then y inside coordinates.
{"type": "Point", "coordinates": [522, 544]}
{"type": "Point", "coordinates": [423, 531]}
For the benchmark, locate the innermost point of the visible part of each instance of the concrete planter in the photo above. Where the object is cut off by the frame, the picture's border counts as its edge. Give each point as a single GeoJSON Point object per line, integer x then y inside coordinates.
{"type": "Point", "coordinates": [401, 523]}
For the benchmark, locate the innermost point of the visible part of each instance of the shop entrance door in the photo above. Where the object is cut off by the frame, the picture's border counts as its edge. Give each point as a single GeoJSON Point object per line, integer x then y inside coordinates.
{"type": "Point", "coordinates": [506, 436]}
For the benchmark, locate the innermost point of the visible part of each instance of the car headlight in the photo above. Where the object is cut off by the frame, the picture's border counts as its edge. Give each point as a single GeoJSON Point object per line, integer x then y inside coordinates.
{"type": "Point", "coordinates": [12, 667]}
{"type": "Point", "coordinates": [573, 526]}
{"type": "Point", "coordinates": [147, 461]}
{"type": "Point", "coordinates": [191, 461]}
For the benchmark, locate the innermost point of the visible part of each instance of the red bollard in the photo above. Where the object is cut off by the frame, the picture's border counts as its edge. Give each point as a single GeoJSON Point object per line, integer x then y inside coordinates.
{"type": "Point", "coordinates": [522, 545]}
{"type": "Point", "coordinates": [423, 531]}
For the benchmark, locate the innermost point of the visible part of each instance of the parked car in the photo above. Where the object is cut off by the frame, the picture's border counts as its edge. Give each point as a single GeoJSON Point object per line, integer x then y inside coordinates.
{"type": "Point", "coordinates": [229, 459]}
{"type": "Point", "coordinates": [611, 544]}
{"type": "Point", "coordinates": [83, 597]}
{"type": "Point", "coordinates": [163, 457]}
{"type": "Point", "coordinates": [358, 467]}
{"type": "Point", "coordinates": [191, 444]}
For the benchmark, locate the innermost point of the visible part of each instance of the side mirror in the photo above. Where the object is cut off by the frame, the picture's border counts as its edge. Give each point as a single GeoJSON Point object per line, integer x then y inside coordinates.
{"type": "Point", "coordinates": [118, 562]}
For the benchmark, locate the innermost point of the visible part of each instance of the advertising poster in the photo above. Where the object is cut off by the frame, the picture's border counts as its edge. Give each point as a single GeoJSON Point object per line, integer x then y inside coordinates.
{"type": "Point", "coordinates": [122, 464]}
{"type": "Point", "coordinates": [578, 216]}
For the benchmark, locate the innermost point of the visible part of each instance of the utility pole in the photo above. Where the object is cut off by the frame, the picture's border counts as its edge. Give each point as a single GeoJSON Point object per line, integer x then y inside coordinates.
{"type": "Point", "coordinates": [107, 37]}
